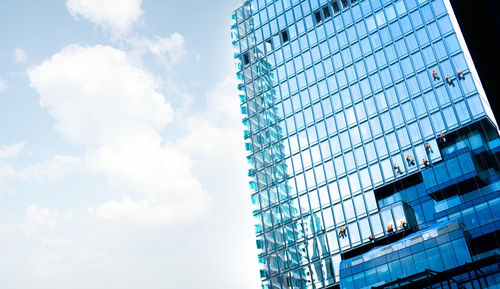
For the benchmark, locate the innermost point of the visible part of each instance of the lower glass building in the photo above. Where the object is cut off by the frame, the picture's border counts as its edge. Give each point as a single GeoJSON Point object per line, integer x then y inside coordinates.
{"type": "Point", "coordinates": [372, 149]}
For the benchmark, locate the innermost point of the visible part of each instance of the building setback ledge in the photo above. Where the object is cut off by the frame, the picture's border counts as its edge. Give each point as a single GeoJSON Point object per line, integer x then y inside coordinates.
{"type": "Point", "coordinates": [382, 241]}
{"type": "Point", "coordinates": [429, 277]}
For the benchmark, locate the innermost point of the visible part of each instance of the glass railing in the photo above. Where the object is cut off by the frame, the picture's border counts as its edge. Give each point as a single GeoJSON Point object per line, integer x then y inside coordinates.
{"type": "Point", "coordinates": [441, 247]}
{"type": "Point", "coordinates": [394, 219]}
{"type": "Point", "coordinates": [449, 172]}
{"type": "Point", "coordinates": [397, 217]}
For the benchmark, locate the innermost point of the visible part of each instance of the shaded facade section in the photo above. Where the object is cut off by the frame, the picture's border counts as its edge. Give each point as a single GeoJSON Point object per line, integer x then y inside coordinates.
{"type": "Point", "coordinates": [480, 25]}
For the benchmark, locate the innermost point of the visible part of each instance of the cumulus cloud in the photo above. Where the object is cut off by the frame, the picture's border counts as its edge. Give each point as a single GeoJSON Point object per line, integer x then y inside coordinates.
{"type": "Point", "coordinates": [171, 49]}
{"type": "Point", "coordinates": [20, 55]}
{"type": "Point", "coordinates": [3, 85]}
{"type": "Point", "coordinates": [11, 151]}
{"type": "Point", "coordinates": [166, 50]}
{"type": "Point", "coordinates": [142, 211]}
{"type": "Point", "coordinates": [115, 15]}
{"type": "Point", "coordinates": [97, 95]}
{"type": "Point", "coordinates": [102, 101]}
{"type": "Point", "coordinates": [214, 136]}
{"type": "Point", "coordinates": [214, 140]}
{"type": "Point", "coordinates": [63, 256]}
{"type": "Point", "coordinates": [216, 132]}
{"type": "Point", "coordinates": [46, 171]}
{"type": "Point", "coordinates": [160, 172]}
{"type": "Point", "coordinates": [50, 170]}
{"type": "Point", "coordinates": [223, 103]}
{"type": "Point", "coordinates": [54, 168]}
{"type": "Point", "coordinates": [43, 217]}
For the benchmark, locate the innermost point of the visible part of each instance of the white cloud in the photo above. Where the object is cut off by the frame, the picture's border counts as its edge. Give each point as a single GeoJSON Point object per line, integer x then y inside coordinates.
{"type": "Point", "coordinates": [141, 211]}
{"type": "Point", "coordinates": [56, 167]}
{"type": "Point", "coordinates": [217, 131]}
{"type": "Point", "coordinates": [11, 151]}
{"type": "Point", "coordinates": [154, 181]}
{"type": "Point", "coordinates": [171, 49]}
{"type": "Point", "coordinates": [116, 15]}
{"type": "Point", "coordinates": [103, 102]}
{"type": "Point", "coordinates": [51, 170]}
{"type": "Point", "coordinates": [166, 50]}
{"type": "Point", "coordinates": [20, 55]}
{"type": "Point", "coordinates": [161, 174]}
{"type": "Point", "coordinates": [47, 171]}
{"type": "Point", "coordinates": [223, 104]}
{"type": "Point", "coordinates": [3, 85]}
{"type": "Point", "coordinates": [214, 141]}
{"type": "Point", "coordinates": [98, 96]}
{"type": "Point", "coordinates": [43, 217]}
{"type": "Point", "coordinates": [62, 256]}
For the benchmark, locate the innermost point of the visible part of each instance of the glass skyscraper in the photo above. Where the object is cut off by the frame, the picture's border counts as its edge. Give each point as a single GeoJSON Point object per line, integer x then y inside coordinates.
{"type": "Point", "coordinates": [372, 148]}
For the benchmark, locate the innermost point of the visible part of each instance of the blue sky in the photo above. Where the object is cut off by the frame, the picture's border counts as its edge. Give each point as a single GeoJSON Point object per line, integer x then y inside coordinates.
{"type": "Point", "coordinates": [121, 156]}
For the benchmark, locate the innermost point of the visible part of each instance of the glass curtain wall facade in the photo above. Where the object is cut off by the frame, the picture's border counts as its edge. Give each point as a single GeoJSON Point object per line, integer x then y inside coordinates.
{"type": "Point", "coordinates": [372, 148]}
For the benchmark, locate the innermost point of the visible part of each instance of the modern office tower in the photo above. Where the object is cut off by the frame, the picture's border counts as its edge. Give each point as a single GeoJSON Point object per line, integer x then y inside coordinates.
{"type": "Point", "coordinates": [372, 148]}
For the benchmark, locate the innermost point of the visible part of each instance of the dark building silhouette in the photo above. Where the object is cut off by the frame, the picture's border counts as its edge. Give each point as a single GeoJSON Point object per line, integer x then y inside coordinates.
{"type": "Point", "coordinates": [480, 24]}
